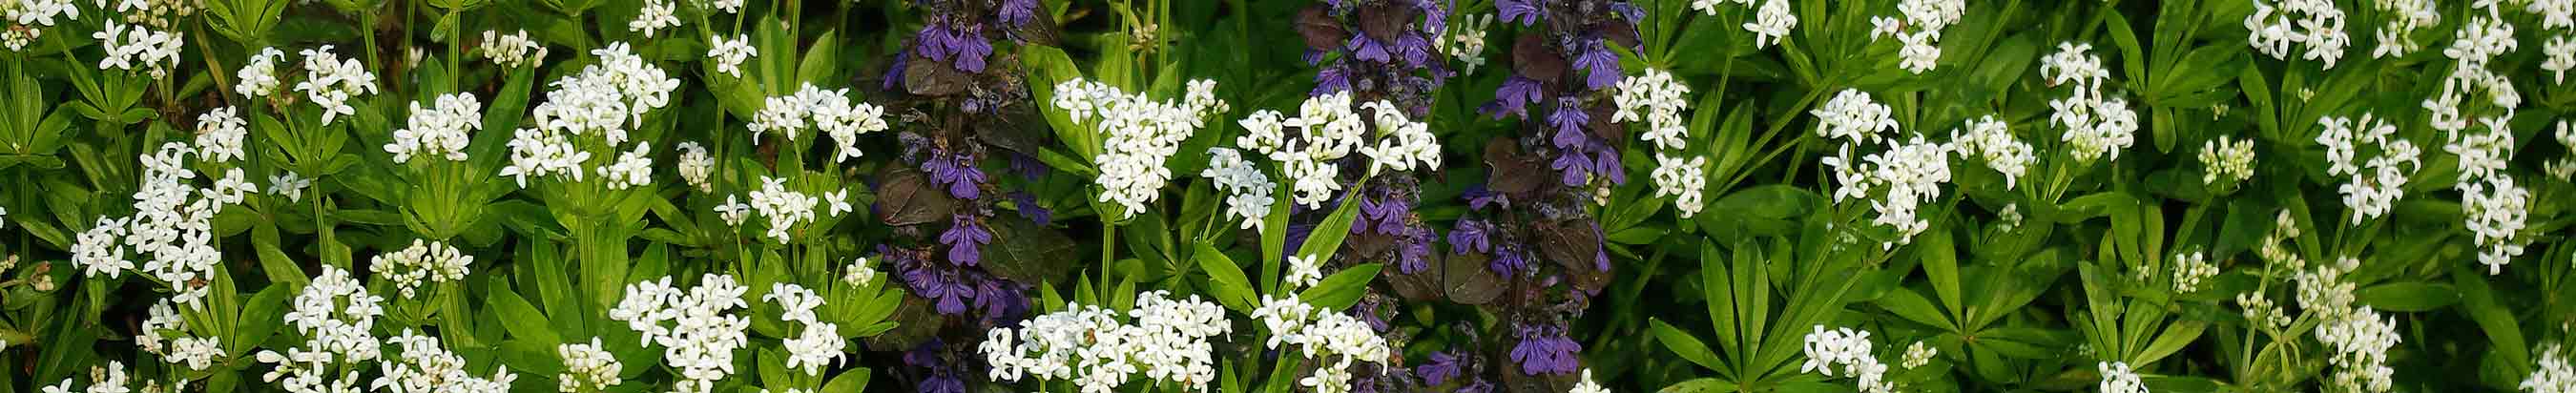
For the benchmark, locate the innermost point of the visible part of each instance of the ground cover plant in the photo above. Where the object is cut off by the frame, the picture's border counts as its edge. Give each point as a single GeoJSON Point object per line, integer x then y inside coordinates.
{"type": "Point", "coordinates": [1473, 196]}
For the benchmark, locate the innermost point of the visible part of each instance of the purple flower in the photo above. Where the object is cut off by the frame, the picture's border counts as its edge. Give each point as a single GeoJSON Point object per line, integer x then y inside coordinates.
{"type": "Point", "coordinates": [1470, 235]}
{"type": "Point", "coordinates": [1606, 161]}
{"type": "Point", "coordinates": [1367, 49]}
{"type": "Point", "coordinates": [1029, 208]}
{"type": "Point", "coordinates": [1545, 350]}
{"type": "Point", "coordinates": [1508, 260]}
{"type": "Point", "coordinates": [1020, 12]}
{"type": "Point", "coordinates": [941, 378]}
{"type": "Point", "coordinates": [1442, 367]}
{"type": "Point", "coordinates": [957, 171]}
{"type": "Point", "coordinates": [1603, 65]}
{"type": "Point", "coordinates": [1330, 80]}
{"type": "Point", "coordinates": [1478, 197]}
{"type": "Point", "coordinates": [1001, 300]}
{"type": "Point", "coordinates": [965, 239]}
{"type": "Point", "coordinates": [1416, 254]}
{"type": "Point", "coordinates": [1576, 168]}
{"type": "Point", "coordinates": [1523, 11]}
{"type": "Point", "coordinates": [1415, 49]}
{"type": "Point", "coordinates": [1513, 97]}
{"type": "Point", "coordinates": [971, 49]}
{"type": "Point", "coordinates": [1569, 120]}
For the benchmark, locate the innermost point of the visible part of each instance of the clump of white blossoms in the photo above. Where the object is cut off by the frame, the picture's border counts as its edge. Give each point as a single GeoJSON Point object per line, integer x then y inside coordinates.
{"type": "Point", "coordinates": [331, 82]}
{"type": "Point", "coordinates": [2375, 185]}
{"type": "Point", "coordinates": [1898, 180]}
{"type": "Point", "coordinates": [1165, 340]}
{"type": "Point", "coordinates": [2358, 342]}
{"type": "Point", "coordinates": [2190, 269]}
{"type": "Point", "coordinates": [422, 366]}
{"type": "Point", "coordinates": [830, 111]}
{"type": "Point", "coordinates": [1339, 339]}
{"type": "Point", "coordinates": [2496, 211]}
{"type": "Point", "coordinates": [1919, 30]}
{"type": "Point", "coordinates": [335, 314]}
{"type": "Point", "coordinates": [2095, 124]}
{"type": "Point", "coordinates": [2483, 154]}
{"type": "Point", "coordinates": [1327, 131]}
{"type": "Point", "coordinates": [1304, 270]}
{"type": "Point", "coordinates": [219, 135]}
{"type": "Point", "coordinates": [601, 101]}
{"type": "Point", "coordinates": [2226, 161]}
{"type": "Point", "coordinates": [433, 262]}
{"type": "Point", "coordinates": [1657, 99]}
{"type": "Point", "coordinates": [2118, 378]}
{"type": "Point", "coordinates": [2314, 24]}
{"type": "Point", "coordinates": [130, 46]}
{"type": "Point", "coordinates": [2552, 374]}
{"type": "Point", "coordinates": [439, 131]}
{"type": "Point", "coordinates": [818, 343]}
{"type": "Point", "coordinates": [653, 17]}
{"type": "Point", "coordinates": [730, 53]}
{"type": "Point", "coordinates": [859, 273]}
{"type": "Point", "coordinates": [696, 165]}
{"type": "Point", "coordinates": [1992, 140]}
{"type": "Point", "coordinates": [512, 50]}
{"type": "Point", "coordinates": [165, 334]}
{"type": "Point", "coordinates": [2479, 41]}
{"type": "Point", "coordinates": [696, 328]}
{"type": "Point", "coordinates": [2565, 167]}
{"type": "Point", "coordinates": [172, 225]}
{"type": "Point", "coordinates": [587, 367]}
{"type": "Point", "coordinates": [289, 185]}
{"type": "Point", "coordinates": [1139, 134]}
{"type": "Point", "coordinates": [1770, 23]}
{"type": "Point", "coordinates": [19, 20]}
{"type": "Point", "coordinates": [1466, 42]}
{"type": "Point", "coordinates": [783, 207]}
{"type": "Point", "coordinates": [1846, 350]}
{"type": "Point", "coordinates": [2403, 18]}
{"type": "Point", "coordinates": [258, 74]}
{"type": "Point", "coordinates": [1586, 385]}
{"type": "Point", "coordinates": [1248, 192]}
{"type": "Point", "coordinates": [1920, 354]}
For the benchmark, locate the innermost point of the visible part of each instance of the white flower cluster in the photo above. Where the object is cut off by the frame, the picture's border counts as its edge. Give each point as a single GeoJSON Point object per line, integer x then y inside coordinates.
{"type": "Point", "coordinates": [1658, 99]}
{"type": "Point", "coordinates": [633, 168]}
{"type": "Point", "coordinates": [2190, 269]}
{"type": "Point", "coordinates": [831, 111]}
{"type": "Point", "coordinates": [2496, 211]}
{"type": "Point", "coordinates": [165, 334]}
{"type": "Point", "coordinates": [330, 82]}
{"type": "Point", "coordinates": [1846, 350]}
{"type": "Point", "coordinates": [2314, 24]}
{"type": "Point", "coordinates": [1925, 18]}
{"type": "Point", "coordinates": [1992, 140]}
{"type": "Point", "coordinates": [2403, 18]}
{"type": "Point", "coordinates": [422, 366]}
{"type": "Point", "coordinates": [601, 100]}
{"type": "Point", "coordinates": [860, 273]}
{"type": "Point", "coordinates": [2118, 378]}
{"type": "Point", "coordinates": [1920, 354]}
{"type": "Point", "coordinates": [289, 185]}
{"type": "Point", "coordinates": [2477, 43]}
{"type": "Point", "coordinates": [441, 130]}
{"type": "Point", "coordinates": [730, 53]}
{"type": "Point", "coordinates": [587, 367]}
{"type": "Point", "coordinates": [434, 262]}
{"type": "Point", "coordinates": [259, 73]}
{"type": "Point", "coordinates": [103, 379]}
{"type": "Point", "coordinates": [2552, 374]}
{"type": "Point", "coordinates": [1165, 339]}
{"type": "Point", "coordinates": [2323, 290]}
{"type": "Point", "coordinates": [1586, 385]}
{"type": "Point", "coordinates": [2359, 343]}
{"type": "Point", "coordinates": [819, 343]}
{"type": "Point", "coordinates": [1907, 174]}
{"type": "Point", "coordinates": [783, 207]}
{"type": "Point", "coordinates": [2378, 183]}
{"type": "Point", "coordinates": [1139, 134]}
{"type": "Point", "coordinates": [1248, 192]}
{"type": "Point", "coordinates": [130, 46]}
{"type": "Point", "coordinates": [2095, 125]}
{"type": "Point", "coordinates": [696, 165]}
{"type": "Point", "coordinates": [219, 135]}
{"type": "Point", "coordinates": [512, 50]}
{"type": "Point", "coordinates": [2559, 52]}
{"type": "Point", "coordinates": [1328, 131]}
{"type": "Point", "coordinates": [653, 17]}
{"type": "Point", "coordinates": [2226, 160]}
{"type": "Point", "coordinates": [1770, 23]}
{"type": "Point", "coordinates": [1321, 333]}
{"type": "Point", "coordinates": [1304, 271]}
{"type": "Point", "coordinates": [2565, 167]}
{"type": "Point", "coordinates": [173, 224]}
{"type": "Point", "coordinates": [19, 20]}
{"type": "Point", "coordinates": [336, 316]}
{"type": "Point", "coordinates": [701, 333]}
{"type": "Point", "coordinates": [2262, 313]}
{"type": "Point", "coordinates": [1466, 41]}
{"type": "Point", "coordinates": [2482, 155]}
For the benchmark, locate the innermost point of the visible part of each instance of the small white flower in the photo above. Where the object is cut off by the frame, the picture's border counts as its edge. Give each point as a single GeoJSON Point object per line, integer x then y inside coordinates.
{"type": "Point", "coordinates": [430, 262]}
{"type": "Point", "coordinates": [655, 16]}
{"type": "Point", "coordinates": [289, 185]}
{"type": "Point", "coordinates": [696, 166]}
{"type": "Point", "coordinates": [2314, 24]}
{"type": "Point", "coordinates": [730, 53]}
{"type": "Point", "coordinates": [1466, 41]}
{"type": "Point", "coordinates": [1919, 355]}
{"type": "Point", "coordinates": [219, 135]}
{"type": "Point", "coordinates": [441, 131]}
{"type": "Point", "coordinates": [2226, 160]}
{"type": "Point", "coordinates": [1139, 135]}
{"type": "Point", "coordinates": [259, 73]}
{"type": "Point", "coordinates": [1304, 271]}
{"type": "Point", "coordinates": [512, 50]}
{"type": "Point", "coordinates": [330, 82]}
{"type": "Point", "coordinates": [2552, 374]}
{"type": "Point", "coordinates": [1850, 350]}
{"type": "Point", "coordinates": [2190, 269]}
{"type": "Point", "coordinates": [2118, 378]}
{"type": "Point", "coordinates": [1248, 191]}
{"type": "Point", "coordinates": [859, 273]}
{"type": "Point", "coordinates": [1771, 23]}
{"type": "Point", "coordinates": [1992, 141]}
{"type": "Point", "coordinates": [587, 367]}
{"type": "Point", "coordinates": [1587, 386]}
{"type": "Point", "coordinates": [2496, 211]}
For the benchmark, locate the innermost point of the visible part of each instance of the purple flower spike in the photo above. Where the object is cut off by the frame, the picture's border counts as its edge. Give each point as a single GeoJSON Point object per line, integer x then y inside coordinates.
{"type": "Point", "coordinates": [1442, 367]}
{"type": "Point", "coordinates": [1514, 97]}
{"type": "Point", "coordinates": [1546, 350]}
{"type": "Point", "coordinates": [1523, 11]}
{"type": "Point", "coordinates": [965, 239]}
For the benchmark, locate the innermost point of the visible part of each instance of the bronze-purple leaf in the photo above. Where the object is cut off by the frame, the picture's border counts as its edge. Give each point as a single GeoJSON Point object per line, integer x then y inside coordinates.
{"type": "Point", "coordinates": [906, 197]}
{"type": "Point", "coordinates": [1321, 31]}
{"type": "Point", "coordinates": [1385, 21]}
{"type": "Point", "coordinates": [1533, 58]}
{"type": "Point", "coordinates": [1466, 279]}
{"type": "Point", "coordinates": [1509, 169]}
{"type": "Point", "coordinates": [1601, 111]}
{"type": "Point", "coordinates": [926, 77]}
{"type": "Point", "coordinates": [1024, 251]}
{"type": "Point", "coordinates": [1570, 243]}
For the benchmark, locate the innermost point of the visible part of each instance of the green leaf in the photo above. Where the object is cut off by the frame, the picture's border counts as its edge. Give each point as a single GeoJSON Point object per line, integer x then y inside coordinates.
{"type": "Point", "coordinates": [1225, 279]}
{"type": "Point", "coordinates": [1327, 237]}
{"type": "Point", "coordinates": [2414, 296]}
{"type": "Point", "coordinates": [850, 381]}
{"type": "Point", "coordinates": [522, 318]}
{"type": "Point", "coordinates": [1683, 344]}
{"type": "Point", "coordinates": [1342, 289]}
